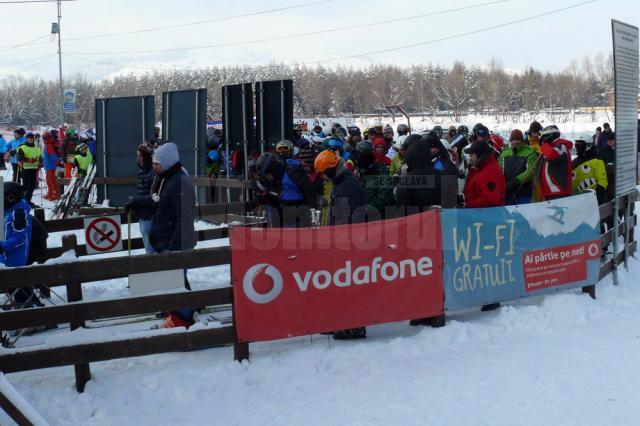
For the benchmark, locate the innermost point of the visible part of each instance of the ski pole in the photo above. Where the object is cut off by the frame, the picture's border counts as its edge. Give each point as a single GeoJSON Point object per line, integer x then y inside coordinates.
{"type": "Point", "coordinates": [129, 230]}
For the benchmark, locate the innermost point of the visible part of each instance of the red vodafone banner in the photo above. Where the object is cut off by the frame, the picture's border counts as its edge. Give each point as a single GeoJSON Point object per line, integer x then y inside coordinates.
{"type": "Point", "coordinates": [292, 282]}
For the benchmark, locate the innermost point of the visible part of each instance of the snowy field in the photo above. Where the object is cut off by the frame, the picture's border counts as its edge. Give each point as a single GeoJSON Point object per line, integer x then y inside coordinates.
{"type": "Point", "coordinates": [563, 359]}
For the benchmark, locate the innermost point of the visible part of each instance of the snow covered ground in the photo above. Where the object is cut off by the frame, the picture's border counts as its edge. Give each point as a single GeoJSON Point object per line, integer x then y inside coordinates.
{"type": "Point", "coordinates": [561, 359]}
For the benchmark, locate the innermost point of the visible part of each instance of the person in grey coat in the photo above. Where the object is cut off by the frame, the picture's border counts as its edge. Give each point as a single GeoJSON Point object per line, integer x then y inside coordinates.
{"type": "Point", "coordinates": [174, 200]}
{"type": "Point", "coordinates": [172, 229]}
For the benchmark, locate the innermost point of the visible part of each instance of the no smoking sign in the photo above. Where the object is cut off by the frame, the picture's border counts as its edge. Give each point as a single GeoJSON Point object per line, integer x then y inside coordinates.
{"type": "Point", "coordinates": [102, 234]}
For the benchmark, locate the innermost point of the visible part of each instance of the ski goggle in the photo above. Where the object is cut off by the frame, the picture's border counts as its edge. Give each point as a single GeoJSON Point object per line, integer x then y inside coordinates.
{"type": "Point", "coordinates": [282, 149]}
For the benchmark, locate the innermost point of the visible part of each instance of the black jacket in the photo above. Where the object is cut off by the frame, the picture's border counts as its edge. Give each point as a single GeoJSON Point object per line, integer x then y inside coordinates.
{"type": "Point", "coordinates": [173, 214]}
{"type": "Point", "coordinates": [347, 199]}
{"type": "Point", "coordinates": [142, 199]}
{"type": "Point", "coordinates": [421, 187]}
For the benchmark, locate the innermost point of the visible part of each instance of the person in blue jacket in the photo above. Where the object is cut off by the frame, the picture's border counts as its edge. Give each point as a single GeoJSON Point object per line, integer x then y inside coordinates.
{"type": "Point", "coordinates": [19, 139]}
{"type": "Point", "coordinates": [3, 151]}
{"type": "Point", "coordinates": [18, 225]}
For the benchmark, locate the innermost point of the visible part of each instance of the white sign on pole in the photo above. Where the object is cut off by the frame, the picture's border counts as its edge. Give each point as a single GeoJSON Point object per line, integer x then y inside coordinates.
{"type": "Point", "coordinates": [103, 234]}
{"type": "Point", "coordinates": [69, 103]}
{"type": "Point", "coordinates": [625, 65]}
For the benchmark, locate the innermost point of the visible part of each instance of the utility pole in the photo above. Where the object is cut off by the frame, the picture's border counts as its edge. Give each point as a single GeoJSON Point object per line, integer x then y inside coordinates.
{"type": "Point", "coordinates": [55, 29]}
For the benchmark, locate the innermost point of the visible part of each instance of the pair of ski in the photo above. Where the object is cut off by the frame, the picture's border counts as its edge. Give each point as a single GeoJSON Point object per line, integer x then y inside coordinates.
{"type": "Point", "coordinates": [75, 195]}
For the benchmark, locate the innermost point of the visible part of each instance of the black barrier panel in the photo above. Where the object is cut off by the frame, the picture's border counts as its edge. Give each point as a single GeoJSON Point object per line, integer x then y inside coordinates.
{"type": "Point", "coordinates": [121, 125]}
{"type": "Point", "coordinates": [237, 123]}
{"type": "Point", "coordinates": [184, 122]}
{"type": "Point", "coordinates": [237, 110]}
{"type": "Point", "coordinates": [274, 112]}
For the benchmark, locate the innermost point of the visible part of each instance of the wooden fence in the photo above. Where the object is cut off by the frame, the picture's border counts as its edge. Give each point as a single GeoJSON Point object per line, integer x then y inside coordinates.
{"type": "Point", "coordinates": [76, 223]}
{"type": "Point", "coordinates": [76, 312]}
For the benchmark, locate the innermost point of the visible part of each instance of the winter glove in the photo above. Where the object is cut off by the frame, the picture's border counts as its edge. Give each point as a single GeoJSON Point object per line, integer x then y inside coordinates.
{"type": "Point", "coordinates": [131, 205]}
{"type": "Point", "coordinates": [602, 194]}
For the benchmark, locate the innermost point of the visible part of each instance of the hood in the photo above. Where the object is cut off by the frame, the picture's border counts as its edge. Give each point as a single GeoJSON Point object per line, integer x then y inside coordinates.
{"type": "Point", "coordinates": [22, 204]}
{"type": "Point", "coordinates": [419, 155]}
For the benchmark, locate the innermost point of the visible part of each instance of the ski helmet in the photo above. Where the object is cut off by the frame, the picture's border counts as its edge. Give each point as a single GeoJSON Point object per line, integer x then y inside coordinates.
{"type": "Point", "coordinates": [463, 130]}
{"type": "Point", "coordinates": [387, 131]}
{"type": "Point", "coordinates": [81, 147]}
{"type": "Point", "coordinates": [284, 147]}
{"type": "Point", "coordinates": [550, 133]}
{"type": "Point", "coordinates": [30, 135]}
{"type": "Point", "coordinates": [438, 130]}
{"type": "Point", "coordinates": [354, 130]}
{"type": "Point", "coordinates": [326, 160]}
{"type": "Point", "coordinates": [480, 130]}
{"type": "Point", "coordinates": [19, 131]}
{"type": "Point", "coordinates": [13, 193]}
{"type": "Point", "coordinates": [402, 129]}
{"type": "Point", "coordinates": [269, 163]}
{"type": "Point", "coordinates": [584, 143]}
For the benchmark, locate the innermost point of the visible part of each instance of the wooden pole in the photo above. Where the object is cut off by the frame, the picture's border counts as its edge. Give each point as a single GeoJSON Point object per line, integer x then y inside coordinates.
{"type": "Point", "coordinates": [74, 294]}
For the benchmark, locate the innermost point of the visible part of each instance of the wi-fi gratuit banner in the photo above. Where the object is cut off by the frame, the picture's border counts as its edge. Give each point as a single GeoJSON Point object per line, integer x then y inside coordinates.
{"type": "Point", "coordinates": [505, 253]}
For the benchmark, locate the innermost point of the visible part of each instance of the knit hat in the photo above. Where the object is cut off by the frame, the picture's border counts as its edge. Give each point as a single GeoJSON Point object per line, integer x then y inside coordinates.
{"type": "Point", "coordinates": [166, 155]}
{"type": "Point", "coordinates": [516, 135]}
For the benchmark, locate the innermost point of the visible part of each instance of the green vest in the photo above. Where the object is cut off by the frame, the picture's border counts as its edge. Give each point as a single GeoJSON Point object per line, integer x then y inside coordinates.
{"type": "Point", "coordinates": [31, 156]}
{"type": "Point", "coordinates": [84, 161]}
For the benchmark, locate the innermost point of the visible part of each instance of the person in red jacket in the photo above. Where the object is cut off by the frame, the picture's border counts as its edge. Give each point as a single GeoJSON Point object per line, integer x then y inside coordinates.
{"type": "Point", "coordinates": [380, 152]}
{"type": "Point", "coordinates": [485, 186]}
{"type": "Point", "coordinates": [553, 172]}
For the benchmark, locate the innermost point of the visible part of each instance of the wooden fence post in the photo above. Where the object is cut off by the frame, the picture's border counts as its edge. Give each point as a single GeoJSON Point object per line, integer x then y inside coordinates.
{"type": "Point", "coordinates": [590, 290]}
{"type": "Point", "coordinates": [74, 294]}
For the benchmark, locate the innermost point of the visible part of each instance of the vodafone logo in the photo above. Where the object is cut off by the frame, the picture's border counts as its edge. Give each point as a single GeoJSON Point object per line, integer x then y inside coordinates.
{"type": "Point", "coordinates": [252, 273]}
{"type": "Point", "coordinates": [372, 273]}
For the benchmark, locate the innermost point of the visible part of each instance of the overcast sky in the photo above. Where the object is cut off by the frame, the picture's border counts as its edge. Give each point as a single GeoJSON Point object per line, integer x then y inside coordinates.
{"type": "Point", "coordinates": [548, 42]}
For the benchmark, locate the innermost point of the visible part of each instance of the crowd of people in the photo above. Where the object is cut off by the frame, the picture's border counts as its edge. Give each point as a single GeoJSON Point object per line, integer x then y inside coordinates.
{"type": "Point", "coordinates": [336, 175]}
{"type": "Point", "coordinates": [56, 151]}
{"type": "Point", "coordinates": [325, 176]}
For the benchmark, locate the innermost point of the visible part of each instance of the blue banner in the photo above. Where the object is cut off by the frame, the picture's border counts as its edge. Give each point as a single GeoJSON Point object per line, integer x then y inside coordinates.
{"type": "Point", "coordinates": [504, 253]}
